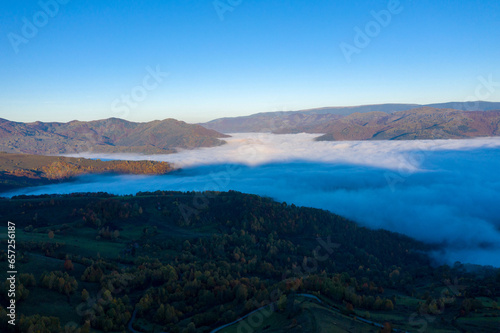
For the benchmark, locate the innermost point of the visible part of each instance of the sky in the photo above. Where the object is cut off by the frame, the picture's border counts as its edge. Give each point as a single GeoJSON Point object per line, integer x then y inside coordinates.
{"type": "Point", "coordinates": [195, 61]}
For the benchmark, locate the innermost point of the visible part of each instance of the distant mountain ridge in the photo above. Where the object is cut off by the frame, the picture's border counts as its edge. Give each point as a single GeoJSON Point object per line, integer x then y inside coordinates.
{"type": "Point", "coordinates": [451, 120]}
{"type": "Point", "coordinates": [424, 123]}
{"type": "Point", "coordinates": [394, 107]}
{"type": "Point", "coordinates": [375, 122]}
{"type": "Point", "coordinates": [104, 136]}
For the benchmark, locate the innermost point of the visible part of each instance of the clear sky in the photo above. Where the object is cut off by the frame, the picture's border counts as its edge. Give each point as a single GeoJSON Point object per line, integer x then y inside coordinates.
{"type": "Point", "coordinates": [93, 59]}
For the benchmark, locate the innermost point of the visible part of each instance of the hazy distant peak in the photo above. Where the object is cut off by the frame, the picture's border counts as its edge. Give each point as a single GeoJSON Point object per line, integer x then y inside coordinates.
{"type": "Point", "coordinates": [374, 122]}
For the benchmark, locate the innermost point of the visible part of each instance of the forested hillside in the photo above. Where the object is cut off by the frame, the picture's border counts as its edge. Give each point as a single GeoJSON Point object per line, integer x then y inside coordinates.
{"type": "Point", "coordinates": [19, 170]}
{"type": "Point", "coordinates": [187, 262]}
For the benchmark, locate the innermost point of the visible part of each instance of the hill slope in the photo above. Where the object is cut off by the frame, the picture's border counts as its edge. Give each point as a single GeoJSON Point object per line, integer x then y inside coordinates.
{"type": "Point", "coordinates": [20, 170]}
{"type": "Point", "coordinates": [320, 119]}
{"type": "Point", "coordinates": [154, 263]}
{"type": "Point", "coordinates": [109, 135]}
{"type": "Point", "coordinates": [422, 123]}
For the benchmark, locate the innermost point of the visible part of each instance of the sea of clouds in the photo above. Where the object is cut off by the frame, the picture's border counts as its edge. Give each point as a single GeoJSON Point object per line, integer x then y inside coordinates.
{"type": "Point", "coordinates": [443, 191]}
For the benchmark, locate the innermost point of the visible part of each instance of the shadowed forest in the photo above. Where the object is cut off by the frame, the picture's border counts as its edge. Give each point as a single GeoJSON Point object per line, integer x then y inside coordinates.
{"type": "Point", "coordinates": [191, 262]}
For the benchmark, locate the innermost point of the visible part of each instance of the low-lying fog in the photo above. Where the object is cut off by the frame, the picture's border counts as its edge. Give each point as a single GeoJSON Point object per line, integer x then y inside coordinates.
{"type": "Point", "coordinates": [445, 191]}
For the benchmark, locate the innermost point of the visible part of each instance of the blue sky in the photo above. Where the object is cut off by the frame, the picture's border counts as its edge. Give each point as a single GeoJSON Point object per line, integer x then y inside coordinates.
{"type": "Point", "coordinates": [92, 59]}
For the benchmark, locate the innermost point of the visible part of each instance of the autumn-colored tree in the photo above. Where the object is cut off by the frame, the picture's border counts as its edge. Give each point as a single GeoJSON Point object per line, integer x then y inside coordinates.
{"type": "Point", "coordinates": [86, 327]}
{"type": "Point", "coordinates": [241, 293]}
{"type": "Point", "coordinates": [59, 281]}
{"type": "Point", "coordinates": [378, 303]}
{"type": "Point", "coordinates": [68, 265]}
{"type": "Point", "coordinates": [85, 295]}
{"type": "Point", "coordinates": [37, 323]}
{"type": "Point", "coordinates": [191, 328]}
{"type": "Point", "coordinates": [387, 328]}
{"type": "Point", "coordinates": [92, 274]}
{"type": "Point", "coordinates": [282, 303]}
{"type": "Point", "coordinates": [21, 293]}
{"type": "Point", "coordinates": [170, 315]}
{"type": "Point", "coordinates": [27, 279]}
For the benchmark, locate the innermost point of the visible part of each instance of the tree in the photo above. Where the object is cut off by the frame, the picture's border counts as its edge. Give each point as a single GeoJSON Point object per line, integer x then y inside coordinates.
{"type": "Point", "coordinates": [68, 265]}
{"type": "Point", "coordinates": [86, 327]}
{"type": "Point", "coordinates": [28, 280]}
{"type": "Point", "coordinates": [85, 295]}
{"type": "Point", "coordinates": [378, 303]}
{"type": "Point", "coordinates": [160, 314]}
{"type": "Point", "coordinates": [241, 293]}
{"type": "Point", "coordinates": [282, 302]}
{"type": "Point", "coordinates": [170, 316]}
{"type": "Point", "coordinates": [191, 328]}
{"type": "Point", "coordinates": [387, 328]}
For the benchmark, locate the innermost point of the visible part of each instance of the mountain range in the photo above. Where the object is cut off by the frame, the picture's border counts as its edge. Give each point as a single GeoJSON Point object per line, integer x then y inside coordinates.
{"type": "Point", "coordinates": [104, 136]}
{"type": "Point", "coordinates": [452, 120]}
{"type": "Point", "coordinates": [375, 122]}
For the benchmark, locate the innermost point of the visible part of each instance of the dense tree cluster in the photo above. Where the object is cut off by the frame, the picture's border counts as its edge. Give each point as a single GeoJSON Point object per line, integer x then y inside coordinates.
{"type": "Point", "coordinates": [22, 170]}
{"type": "Point", "coordinates": [63, 170]}
{"type": "Point", "coordinates": [109, 313]}
{"type": "Point", "coordinates": [192, 264]}
{"type": "Point", "coordinates": [61, 282]}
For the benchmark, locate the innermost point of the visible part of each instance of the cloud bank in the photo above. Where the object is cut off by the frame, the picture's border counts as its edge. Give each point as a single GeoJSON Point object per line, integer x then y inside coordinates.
{"type": "Point", "coordinates": [262, 148]}
{"type": "Point", "coordinates": [445, 192]}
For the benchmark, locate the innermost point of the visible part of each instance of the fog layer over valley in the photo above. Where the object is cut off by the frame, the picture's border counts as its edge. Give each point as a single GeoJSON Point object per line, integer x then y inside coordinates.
{"type": "Point", "coordinates": [445, 191]}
